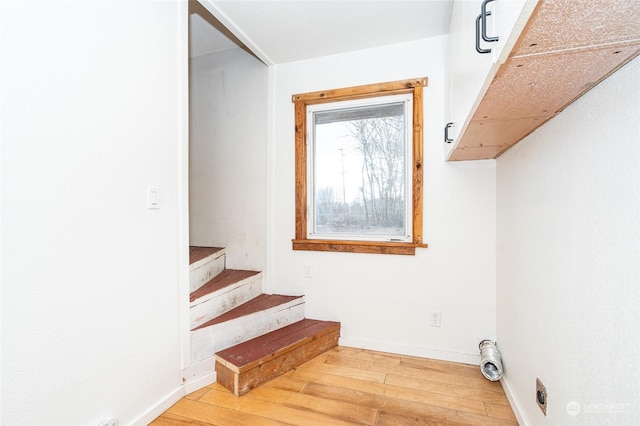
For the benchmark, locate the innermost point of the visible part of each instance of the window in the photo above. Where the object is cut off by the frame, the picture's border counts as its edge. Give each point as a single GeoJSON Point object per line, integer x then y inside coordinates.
{"type": "Point", "coordinates": [359, 169]}
{"type": "Point", "coordinates": [357, 158]}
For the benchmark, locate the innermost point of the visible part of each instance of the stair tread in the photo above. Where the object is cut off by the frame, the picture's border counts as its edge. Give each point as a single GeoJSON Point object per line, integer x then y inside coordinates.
{"type": "Point", "coordinates": [198, 253]}
{"type": "Point", "coordinates": [222, 280]}
{"type": "Point", "coordinates": [251, 353]}
{"type": "Point", "coordinates": [257, 304]}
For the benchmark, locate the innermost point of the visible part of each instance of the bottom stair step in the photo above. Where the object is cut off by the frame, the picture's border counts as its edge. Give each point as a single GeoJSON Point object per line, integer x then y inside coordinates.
{"type": "Point", "coordinates": [248, 365]}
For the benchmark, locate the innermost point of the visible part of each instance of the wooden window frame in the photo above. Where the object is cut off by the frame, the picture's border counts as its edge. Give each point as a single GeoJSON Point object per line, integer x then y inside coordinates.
{"type": "Point", "coordinates": [301, 101]}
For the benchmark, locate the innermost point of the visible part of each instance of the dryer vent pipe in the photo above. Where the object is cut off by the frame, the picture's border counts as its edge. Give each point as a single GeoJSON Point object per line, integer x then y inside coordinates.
{"type": "Point", "coordinates": [490, 360]}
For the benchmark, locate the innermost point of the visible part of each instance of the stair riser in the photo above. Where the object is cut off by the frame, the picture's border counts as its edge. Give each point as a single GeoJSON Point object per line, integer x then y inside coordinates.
{"type": "Point", "coordinates": [205, 270]}
{"type": "Point", "coordinates": [242, 383]}
{"type": "Point", "coordinates": [217, 303]}
{"type": "Point", "coordinates": [207, 341]}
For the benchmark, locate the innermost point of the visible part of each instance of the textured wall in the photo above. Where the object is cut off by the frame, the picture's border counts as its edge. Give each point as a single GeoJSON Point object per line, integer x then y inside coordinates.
{"type": "Point", "coordinates": [92, 114]}
{"type": "Point", "coordinates": [568, 259]}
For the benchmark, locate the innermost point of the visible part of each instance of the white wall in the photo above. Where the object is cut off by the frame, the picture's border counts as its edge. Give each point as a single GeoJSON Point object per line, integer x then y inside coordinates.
{"type": "Point", "coordinates": [383, 301]}
{"type": "Point", "coordinates": [92, 110]}
{"type": "Point", "coordinates": [228, 114]}
{"type": "Point", "coordinates": [568, 277]}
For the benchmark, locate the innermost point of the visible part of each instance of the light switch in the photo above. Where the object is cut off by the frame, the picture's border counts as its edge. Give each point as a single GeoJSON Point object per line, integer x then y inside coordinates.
{"type": "Point", "coordinates": [153, 197]}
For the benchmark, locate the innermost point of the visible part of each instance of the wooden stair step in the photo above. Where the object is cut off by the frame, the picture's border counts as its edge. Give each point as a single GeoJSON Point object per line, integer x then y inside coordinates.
{"type": "Point", "coordinates": [196, 254]}
{"type": "Point", "coordinates": [226, 291]}
{"type": "Point", "coordinates": [205, 264]}
{"type": "Point", "coordinates": [257, 304]}
{"type": "Point", "coordinates": [249, 354]}
{"type": "Point", "coordinates": [258, 316]}
{"type": "Point", "coordinates": [247, 365]}
{"type": "Point", "coordinates": [224, 279]}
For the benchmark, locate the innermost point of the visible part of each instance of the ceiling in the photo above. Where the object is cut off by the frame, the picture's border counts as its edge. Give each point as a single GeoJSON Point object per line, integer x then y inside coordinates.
{"type": "Point", "coordinates": [278, 31]}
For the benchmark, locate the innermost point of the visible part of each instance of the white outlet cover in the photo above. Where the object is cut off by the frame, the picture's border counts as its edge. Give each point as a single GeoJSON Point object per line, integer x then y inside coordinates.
{"type": "Point", "coordinates": [435, 319]}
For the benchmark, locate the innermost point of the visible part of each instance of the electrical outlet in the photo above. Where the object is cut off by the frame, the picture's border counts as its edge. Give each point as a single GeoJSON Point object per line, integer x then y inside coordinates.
{"type": "Point", "coordinates": [435, 319]}
{"type": "Point", "coordinates": [541, 396]}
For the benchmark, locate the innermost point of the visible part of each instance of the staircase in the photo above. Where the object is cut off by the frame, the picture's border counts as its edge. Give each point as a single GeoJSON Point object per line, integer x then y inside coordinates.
{"type": "Point", "coordinates": [251, 336]}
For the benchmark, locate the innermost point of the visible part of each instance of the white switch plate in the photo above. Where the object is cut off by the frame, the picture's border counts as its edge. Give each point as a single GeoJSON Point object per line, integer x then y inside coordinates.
{"type": "Point", "coordinates": [308, 270]}
{"type": "Point", "coordinates": [153, 197]}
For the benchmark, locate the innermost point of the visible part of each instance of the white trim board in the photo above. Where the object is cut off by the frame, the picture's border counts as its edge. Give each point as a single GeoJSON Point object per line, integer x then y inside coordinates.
{"type": "Point", "coordinates": [199, 375]}
{"type": "Point", "coordinates": [160, 407]}
{"type": "Point", "coordinates": [512, 401]}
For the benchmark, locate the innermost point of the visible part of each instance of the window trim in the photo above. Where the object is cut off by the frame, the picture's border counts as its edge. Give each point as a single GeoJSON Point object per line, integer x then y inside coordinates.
{"type": "Point", "coordinates": [406, 100]}
{"type": "Point", "coordinates": [301, 101]}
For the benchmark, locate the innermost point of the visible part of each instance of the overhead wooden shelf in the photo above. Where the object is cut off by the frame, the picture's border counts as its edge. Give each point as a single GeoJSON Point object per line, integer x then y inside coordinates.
{"type": "Point", "coordinates": [565, 50]}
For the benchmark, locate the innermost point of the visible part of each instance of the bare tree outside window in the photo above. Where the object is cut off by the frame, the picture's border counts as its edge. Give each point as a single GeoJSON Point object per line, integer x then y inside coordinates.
{"type": "Point", "coordinates": [360, 159]}
{"type": "Point", "coordinates": [381, 143]}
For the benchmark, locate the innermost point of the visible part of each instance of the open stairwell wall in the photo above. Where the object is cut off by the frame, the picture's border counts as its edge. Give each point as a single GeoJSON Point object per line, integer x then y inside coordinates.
{"type": "Point", "coordinates": [227, 166]}
{"type": "Point", "coordinates": [227, 169]}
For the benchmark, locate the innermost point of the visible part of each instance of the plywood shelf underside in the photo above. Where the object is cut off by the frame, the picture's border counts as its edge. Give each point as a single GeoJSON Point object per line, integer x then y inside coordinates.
{"type": "Point", "coordinates": [565, 50]}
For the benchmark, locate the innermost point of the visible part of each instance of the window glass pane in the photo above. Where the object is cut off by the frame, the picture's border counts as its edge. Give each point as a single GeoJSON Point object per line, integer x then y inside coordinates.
{"type": "Point", "coordinates": [359, 172]}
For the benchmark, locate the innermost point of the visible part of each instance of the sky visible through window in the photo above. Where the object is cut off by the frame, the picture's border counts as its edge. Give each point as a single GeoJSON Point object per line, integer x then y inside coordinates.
{"type": "Point", "coordinates": [336, 149]}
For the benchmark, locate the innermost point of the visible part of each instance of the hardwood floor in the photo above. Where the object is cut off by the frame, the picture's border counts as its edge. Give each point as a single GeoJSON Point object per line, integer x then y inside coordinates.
{"type": "Point", "coordinates": [354, 386]}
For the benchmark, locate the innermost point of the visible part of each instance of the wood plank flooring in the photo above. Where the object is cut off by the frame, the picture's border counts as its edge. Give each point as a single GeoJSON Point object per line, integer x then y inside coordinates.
{"type": "Point", "coordinates": [346, 386]}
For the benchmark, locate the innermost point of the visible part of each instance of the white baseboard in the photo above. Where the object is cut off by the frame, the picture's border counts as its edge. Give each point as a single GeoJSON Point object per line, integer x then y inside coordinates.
{"type": "Point", "coordinates": [464, 358]}
{"type": "Point", "coordinates": [199, 383]}
{"type": "Point", "coordinates": [159, 408]}
{"type": "Point", "coordinates": [199, 375]}
{"type": "Point", "coordinates": [512, 401]}
{"type": "Point", "coordinates": [196, 377]}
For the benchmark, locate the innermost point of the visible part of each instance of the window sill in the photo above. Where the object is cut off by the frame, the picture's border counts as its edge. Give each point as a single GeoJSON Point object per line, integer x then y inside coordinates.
{"type": "Point", "coordinates": [358, 246]}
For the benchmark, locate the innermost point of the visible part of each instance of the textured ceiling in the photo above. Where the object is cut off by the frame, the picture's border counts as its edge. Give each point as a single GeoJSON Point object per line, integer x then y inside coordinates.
{"type": "Point", "coordinates": [285, 31]}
